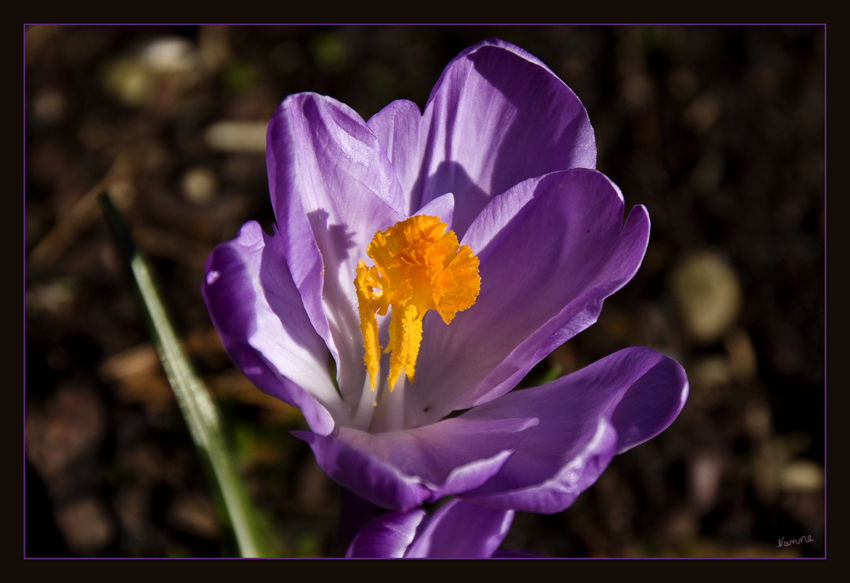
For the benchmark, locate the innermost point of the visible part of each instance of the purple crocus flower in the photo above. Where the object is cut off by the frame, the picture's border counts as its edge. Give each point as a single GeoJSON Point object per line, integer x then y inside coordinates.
{"type": "Point", "coordinates": [456, 530]}
{"type": "Point", "coordinates": [421, 265]}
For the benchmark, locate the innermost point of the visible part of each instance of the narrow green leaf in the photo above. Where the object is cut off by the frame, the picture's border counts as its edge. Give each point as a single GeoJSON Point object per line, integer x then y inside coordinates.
{"type": "Point", "coordinates": [196, 404]}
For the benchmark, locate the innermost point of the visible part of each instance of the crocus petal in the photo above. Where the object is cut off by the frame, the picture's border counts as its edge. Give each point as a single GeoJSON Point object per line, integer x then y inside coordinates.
{"type": "Point", "coordinates": [460, 530]}
{"type": "Point", "coordinates": [442, 207]}
{"type": "Point", "coordinates": [397, 128]}
{"type": "Point", "coordinates": [457, 530]}
{"type": "Point", "coordinates": [258, 313]}
{"type": "Point", "coordinates": [332, 188]}
{"type": "Point", "coordinates": [497, 116]}
{"type": "Point", "coordinates": [551, 250]}
{"type": "Point", "coordinates": [400, 470]}
{"type": "Point", "coordinates": [388, 536]}
{"type": "Point", "coordinates": [585, 419]}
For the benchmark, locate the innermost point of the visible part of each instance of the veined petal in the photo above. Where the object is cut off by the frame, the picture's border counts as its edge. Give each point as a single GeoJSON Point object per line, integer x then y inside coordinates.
{"type": "Point", "coordinates": [386, 537]}
{"type": "Point", "coordinates": [402, 469]}
{"type": "Point", "coordinates": [456, 530]}
{"type": "Point", "coordinates": [258, 313]}
{"type": "Point", "coordinates": [551, 250]}
{"type": "Point", "coordinates": [442, 207]}
{"type": "Point", "coordinates": [460, 530]}
{"type": "Point", "coordinates": [585, 419]}
{"type": "Point", "coordinates": [397, 128]}
{"type": "Point", "coordinates": [332, 188]}
{"type": "Point", "coordinates": [497, 116]}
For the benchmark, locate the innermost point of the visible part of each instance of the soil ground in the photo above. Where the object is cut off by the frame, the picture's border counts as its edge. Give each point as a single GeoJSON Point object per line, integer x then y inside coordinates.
{"type": "Point", "coordinates": [719, 131]}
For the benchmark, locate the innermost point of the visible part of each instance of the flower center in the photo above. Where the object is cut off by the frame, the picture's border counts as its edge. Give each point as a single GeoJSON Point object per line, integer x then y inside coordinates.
{"type": "Point", "coordinates": [418, 267]}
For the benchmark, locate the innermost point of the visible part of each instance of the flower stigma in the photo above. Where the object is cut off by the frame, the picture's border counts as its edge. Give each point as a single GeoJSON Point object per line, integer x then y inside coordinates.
{"type": "Point", "coordinates": [419, 266]}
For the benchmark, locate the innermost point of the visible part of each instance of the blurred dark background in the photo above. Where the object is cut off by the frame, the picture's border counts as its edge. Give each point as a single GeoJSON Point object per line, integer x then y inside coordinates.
{"type": "Point", "coordinates": [718, 130]}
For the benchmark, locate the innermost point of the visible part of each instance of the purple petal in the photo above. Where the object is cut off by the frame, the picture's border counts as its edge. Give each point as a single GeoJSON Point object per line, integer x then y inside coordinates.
{"type": "Point", "coordinates": [551, 250]}
{"type": "Point", "coordinates": [460, 530]}
{"type": "Point", "coordinates": [442, 207]}
{"type": "Point", "coordinates": [400, 470]}
{"type": "Point", "coordinates": [387, 536]}
{"type": "Point", "coordinates": [332, 188]}
{"type": "Point", "coordinates": [497, 116]}
{"type": "Point", "coordinates": [397, 128]}
{"type": "Point", "coordinates": [247, 289]}
{"type": "Point", "coordinates": [585, 419]}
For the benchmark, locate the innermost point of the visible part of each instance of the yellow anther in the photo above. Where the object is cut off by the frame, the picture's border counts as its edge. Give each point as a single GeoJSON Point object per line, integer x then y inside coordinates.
{"type": "Point", "coordinates": [418, 267]}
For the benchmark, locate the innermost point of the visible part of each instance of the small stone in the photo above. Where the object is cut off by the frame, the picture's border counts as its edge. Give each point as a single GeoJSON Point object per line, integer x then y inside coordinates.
{"type": "Point", "coordinates": [49, 106]}
{"type": "Point", "coordinates": [707, 292]}
{"type": "Point", "coordinates": [167, 55]}
{"type": "Point", "coordinates": [130, 81]}
{"type": "Point", "coordinates": [701, 114]}
{"type": "Point", "coordinates": [199, 185]}
{"type": "Point", "coordinates": [132, 505]}
{"type": "Point", "coordinates": [86, 526]}
{"type": "Point", "coordinates": [71, 425]}
{"type": "Point", "coordinates": [135, 78]}
{"type": "Point", "coordinates": [58, 297]}
{"type": "Point", "coordinates": [681, 526]}
{"type": "Point", "coordinates": [706, 471]}
{"type": "Point", "coordinates": [757, 419]}
{"type": "Point", "coordinates": [801, 476]}
{"type": "Point", "coordinates": [232, 136]}
{"type": "Point", "coordinates": [194, 514]}
{"type": "Point", "coordinates": [710, 377]}
{"type": "Point", "coordinates": [742, 355]}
